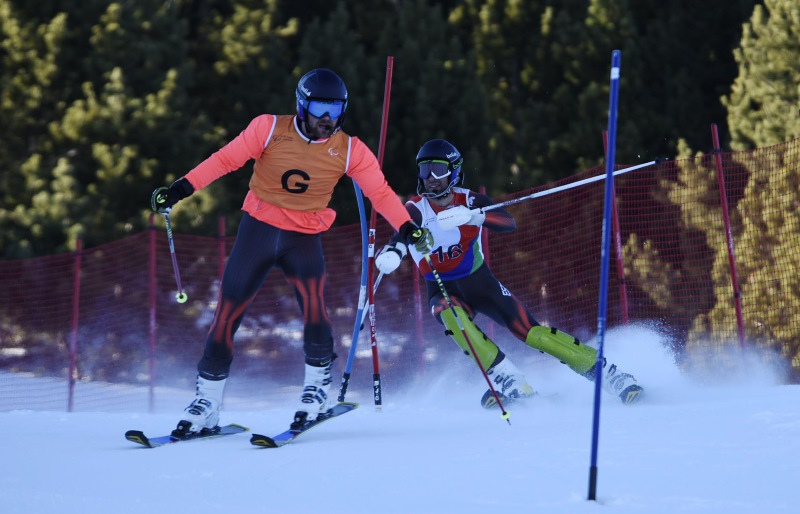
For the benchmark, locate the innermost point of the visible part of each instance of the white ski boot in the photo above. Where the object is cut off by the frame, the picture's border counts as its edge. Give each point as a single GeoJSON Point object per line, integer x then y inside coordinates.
{"type": "Point", "coordinates": [314, 399]}
{"type": "Point", "coordinates": [203, 413]}
{"type": "Point", "coordinates": [622, 385]}
{"type": "Point", "coordinates": [508, 381]}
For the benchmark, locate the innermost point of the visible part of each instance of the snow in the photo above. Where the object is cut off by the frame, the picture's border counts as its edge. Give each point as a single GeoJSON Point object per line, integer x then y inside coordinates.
{"type": "Point", "coordinates": [724, 446]}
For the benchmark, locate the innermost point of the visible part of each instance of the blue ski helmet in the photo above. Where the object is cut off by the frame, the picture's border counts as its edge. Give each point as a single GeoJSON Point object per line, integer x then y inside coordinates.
{"type": "Point", "coordinates": [322, 85]}
{"type": "Point", "coordinates": [439, 154]}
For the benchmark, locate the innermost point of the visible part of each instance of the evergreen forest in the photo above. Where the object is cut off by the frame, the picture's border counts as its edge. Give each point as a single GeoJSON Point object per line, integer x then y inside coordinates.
{"type": "Point", "coordinates": [103, 101]}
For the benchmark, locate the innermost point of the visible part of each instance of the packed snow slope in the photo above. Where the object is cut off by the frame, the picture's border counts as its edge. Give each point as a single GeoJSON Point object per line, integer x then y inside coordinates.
{"type": "Point", "coordinates": [721, 446]}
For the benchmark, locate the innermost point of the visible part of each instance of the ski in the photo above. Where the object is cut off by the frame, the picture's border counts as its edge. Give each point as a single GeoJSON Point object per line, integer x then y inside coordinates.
{"type": "Point", "coordinates": [137, 436]}
{"type": "Point", "coordinates": [290, 435]}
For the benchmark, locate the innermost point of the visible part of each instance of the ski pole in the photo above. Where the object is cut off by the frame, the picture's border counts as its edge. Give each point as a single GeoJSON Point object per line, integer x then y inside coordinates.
{"type": "Point", "coordinates": [180, 296]}
{"type": "Point", "coordinates": [374, 290]}
{"type": "Point", "coordinates": [504, 414]}
{"type": "Point", "coordinates": [455, 217]}
{"type": "Point", "coordinates": [568, 186]}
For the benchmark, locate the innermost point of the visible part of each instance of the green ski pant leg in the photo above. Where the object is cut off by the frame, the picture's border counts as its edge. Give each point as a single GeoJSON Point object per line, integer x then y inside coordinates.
{"type": "Point", "coordinates": [579, 357]}
{"type": "Point", "coordinates": [487, 351]}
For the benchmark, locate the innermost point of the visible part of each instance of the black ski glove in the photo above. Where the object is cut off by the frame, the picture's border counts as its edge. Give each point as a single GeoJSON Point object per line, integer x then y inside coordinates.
{"type": "Point", "coordinates": [165, 197]}
{"type": "Point", "coordinates": [420, 238]}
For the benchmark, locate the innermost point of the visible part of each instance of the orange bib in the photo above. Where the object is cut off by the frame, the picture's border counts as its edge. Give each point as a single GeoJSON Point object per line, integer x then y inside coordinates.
{"type": "Point", "coordinates": [294, 173]}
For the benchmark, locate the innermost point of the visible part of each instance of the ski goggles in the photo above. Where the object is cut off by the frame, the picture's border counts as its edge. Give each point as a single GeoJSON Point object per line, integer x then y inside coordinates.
{"type": "Point", "coordinates": [437, 169]}
{"type": "Point", "coordinates": [319, 109]}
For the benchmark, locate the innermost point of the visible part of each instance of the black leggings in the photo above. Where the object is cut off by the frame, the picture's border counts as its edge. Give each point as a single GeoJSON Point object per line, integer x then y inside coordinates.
{"type": "Point", "coordinates": [258, 248]}
{"type": "Point", "coordinates": [482, 292]}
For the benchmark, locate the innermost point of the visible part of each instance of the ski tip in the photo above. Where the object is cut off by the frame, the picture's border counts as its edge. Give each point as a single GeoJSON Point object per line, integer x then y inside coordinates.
{"type": "Point", "coordinates": [137, 436]}
{"type": "Point", "coordinates": [488, 400]}
{"type": "Point", "coordinates": [632, 394]}
{"type": "Point", "coordinates": [263, 441]}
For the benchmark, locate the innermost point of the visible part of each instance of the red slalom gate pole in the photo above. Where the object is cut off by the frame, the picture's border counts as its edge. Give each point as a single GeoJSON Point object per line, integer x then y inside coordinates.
{"type": "Point", "coordinates": [373, 220]}
{"type": "Point", "coordinates": [73, 339]}
{"type": "Point", "coordinates": [723, 198]}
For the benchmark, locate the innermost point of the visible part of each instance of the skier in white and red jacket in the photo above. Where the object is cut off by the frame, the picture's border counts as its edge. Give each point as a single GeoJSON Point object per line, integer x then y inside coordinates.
{"type": "Point", "coordinates": [454, 217]}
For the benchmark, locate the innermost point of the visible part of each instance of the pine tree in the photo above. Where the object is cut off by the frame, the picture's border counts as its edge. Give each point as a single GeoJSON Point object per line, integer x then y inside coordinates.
{"type": "Point", "coordinates": [762, 111]}
{"type": "Point", "coordinates": [764, 99]}
{"type": "Point", "coordinates": [92, 169]}
{"type": "Point", "coordinates": [670, 266]}
{"type": "Point", "coordinates": [29, 54]}
{"type": "Point", "coordinates": [243, 59]}
{"type": "Point", "coordinates": [544, 69]}
{"type": "Point", "coordinates": [677, 65]}
{"type": "Point", "coordinates": [435, 94]}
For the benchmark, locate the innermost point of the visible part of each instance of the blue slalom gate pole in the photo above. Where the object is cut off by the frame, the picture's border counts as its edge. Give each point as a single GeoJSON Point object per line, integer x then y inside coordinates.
{"type": "Point", "coordinates": [605, 250]}
{"type": "Point", "coordinates": [362, 293]}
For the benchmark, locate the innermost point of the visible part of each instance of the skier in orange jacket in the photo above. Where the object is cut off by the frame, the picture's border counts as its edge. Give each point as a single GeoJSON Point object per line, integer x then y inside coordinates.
{"type": "Point", "coordinates": [299, 158]}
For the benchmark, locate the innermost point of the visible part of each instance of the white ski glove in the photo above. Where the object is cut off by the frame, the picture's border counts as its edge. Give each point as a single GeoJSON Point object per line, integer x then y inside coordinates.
{"type": "Point", "coordinates": [460, 215]}
{"type": "Point", "coordinates": [389, 258]}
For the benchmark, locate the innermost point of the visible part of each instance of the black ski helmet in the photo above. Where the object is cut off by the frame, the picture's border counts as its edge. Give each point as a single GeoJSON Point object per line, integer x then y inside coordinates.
{"type": "Point", "coordinates": [320, 84]}
{"type": "Point", "coordinates": [440, 150]}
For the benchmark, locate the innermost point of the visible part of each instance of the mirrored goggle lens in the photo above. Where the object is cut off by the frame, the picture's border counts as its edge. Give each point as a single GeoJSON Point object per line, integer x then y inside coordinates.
{"type": "Point", "coordinates": [320, 109]}
{"type": "Point", "coordinates": [439, 169]}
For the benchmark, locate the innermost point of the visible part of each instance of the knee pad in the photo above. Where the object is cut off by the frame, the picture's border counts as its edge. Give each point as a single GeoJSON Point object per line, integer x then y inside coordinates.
{"type": "Point", "coordinates": [485, 349]}
{"type": "Point", "coordinates": [564, 347]}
